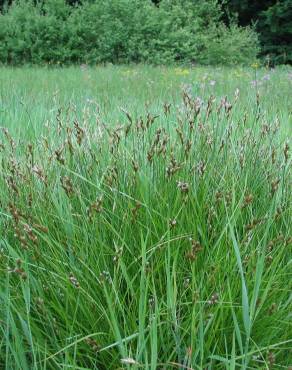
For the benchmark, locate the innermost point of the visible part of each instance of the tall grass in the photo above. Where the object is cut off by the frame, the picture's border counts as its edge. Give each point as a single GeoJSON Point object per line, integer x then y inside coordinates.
{"type": "Point", "coordinates": [148, 226]}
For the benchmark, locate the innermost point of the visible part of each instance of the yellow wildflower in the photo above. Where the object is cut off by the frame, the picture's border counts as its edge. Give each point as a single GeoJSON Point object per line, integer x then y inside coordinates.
{"type": "Point", "coordinates": [255, 65]}
{"type": "Point", "coordinates": [181, 71]}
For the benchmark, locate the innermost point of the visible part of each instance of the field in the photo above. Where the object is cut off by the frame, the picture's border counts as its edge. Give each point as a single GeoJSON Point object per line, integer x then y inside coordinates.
{"type": "Point", "coordinates": [145, 218]}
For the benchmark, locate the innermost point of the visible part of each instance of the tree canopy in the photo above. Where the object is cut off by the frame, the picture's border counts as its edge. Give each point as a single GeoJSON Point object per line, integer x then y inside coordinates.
{"type": "Point", "coordinates": [272, 19]}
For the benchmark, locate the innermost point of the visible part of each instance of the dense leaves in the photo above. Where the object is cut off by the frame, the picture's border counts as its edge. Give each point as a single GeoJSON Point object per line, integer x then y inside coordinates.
{"type": "Point", "coordinates": [272, 19]}
{"type": "Point", "coordinates": [156, 31]}
{"type": "Point", "coordinates": [122, 31]}
{"type": "Point", "coordinates": [276, 31]}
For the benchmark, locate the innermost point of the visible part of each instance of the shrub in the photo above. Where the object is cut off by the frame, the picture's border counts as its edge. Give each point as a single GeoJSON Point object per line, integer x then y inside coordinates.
{"type": "Point", "coordinates": [122, 31]}
{"type": "Point", "coordinates": [35, 34]}
{"type": "Point", "coordinates": [233, 45]}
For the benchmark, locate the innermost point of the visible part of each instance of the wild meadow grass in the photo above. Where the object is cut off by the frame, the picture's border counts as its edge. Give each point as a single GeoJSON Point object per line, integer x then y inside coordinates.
{"type": "Point", "coordinates": [145, 218]}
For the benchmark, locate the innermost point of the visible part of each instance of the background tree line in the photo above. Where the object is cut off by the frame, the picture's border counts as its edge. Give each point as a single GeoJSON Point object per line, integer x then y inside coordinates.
{"type": "Point", "coordinates": [152, 31]}
{"type": "Point", "coordinates": [272, 20]}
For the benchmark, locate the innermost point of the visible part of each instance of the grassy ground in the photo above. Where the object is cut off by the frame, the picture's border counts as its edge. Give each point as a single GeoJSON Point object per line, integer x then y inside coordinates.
{"type": "Point", "coordinates": [145, 218]}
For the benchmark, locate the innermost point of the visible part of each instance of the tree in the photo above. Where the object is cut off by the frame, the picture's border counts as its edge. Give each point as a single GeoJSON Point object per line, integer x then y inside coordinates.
{"type": "Point", "coordinates": [246, 11]}
{"type": "Point", "coordinates": [275, 26]}
{"type": "Point", "coordinates": [272, 19]}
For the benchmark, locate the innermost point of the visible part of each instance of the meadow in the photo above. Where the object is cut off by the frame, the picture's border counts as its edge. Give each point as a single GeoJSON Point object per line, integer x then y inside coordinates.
{"type": "Point", "coordinates": [145, 218]}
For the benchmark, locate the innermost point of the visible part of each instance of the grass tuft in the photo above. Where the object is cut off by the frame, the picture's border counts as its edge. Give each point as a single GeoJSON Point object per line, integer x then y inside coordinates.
{"type": "Point", "coordinates": [149, 226]}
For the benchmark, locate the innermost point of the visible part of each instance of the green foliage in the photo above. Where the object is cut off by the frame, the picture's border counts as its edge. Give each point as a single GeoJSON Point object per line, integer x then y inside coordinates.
{"type": "Point", "coordinates": [122, 31]}
{"type": "Point", "coordinates": [272, 19]}
{"type": "Point", "coordinates": [276, 31]}
{"type": "Point", "coordinates": [229, 45]}
{"type": "Point", "coordinates": [246, 11]}
{"type": "Point", "coordinates": [35, 34]}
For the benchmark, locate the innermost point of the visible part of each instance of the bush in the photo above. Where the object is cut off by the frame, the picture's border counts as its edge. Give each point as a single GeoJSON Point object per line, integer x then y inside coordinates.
{"type": "Point", "coordinates": [35, 34]}
{"type": "Point", "coordinates": [233, 45]}
{"type": "Point", "coordinates": [122, 31]}
{"type": "Point", "coordinates": [101, 31]}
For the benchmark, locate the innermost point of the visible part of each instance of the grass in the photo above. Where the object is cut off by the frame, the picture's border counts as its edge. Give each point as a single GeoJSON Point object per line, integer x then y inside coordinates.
{"type": "Point", "coordinates": [145, 218]}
